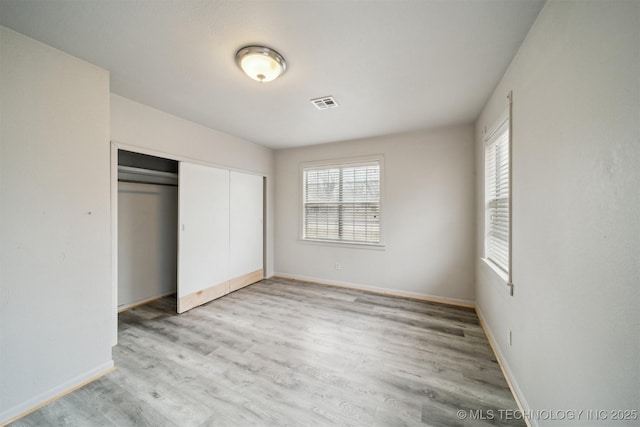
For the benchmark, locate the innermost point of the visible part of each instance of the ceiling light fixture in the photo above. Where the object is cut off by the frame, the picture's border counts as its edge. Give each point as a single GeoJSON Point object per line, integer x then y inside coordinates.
{"type": "Point", "coordinates": [261, 63]}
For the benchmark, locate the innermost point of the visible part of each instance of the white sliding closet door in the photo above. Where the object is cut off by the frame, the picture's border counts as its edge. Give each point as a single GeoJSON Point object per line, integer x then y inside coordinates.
{"type": "Point", "coordinates": [246, 223]}
{"type": "Point", "coordinates": [203, 248]}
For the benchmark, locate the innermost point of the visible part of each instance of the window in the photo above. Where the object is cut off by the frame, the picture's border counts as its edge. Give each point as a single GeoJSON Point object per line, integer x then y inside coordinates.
{"type": "Point", "coordinates": [497, 195]}
{"type": "Point", "coordinates": [342, 203]}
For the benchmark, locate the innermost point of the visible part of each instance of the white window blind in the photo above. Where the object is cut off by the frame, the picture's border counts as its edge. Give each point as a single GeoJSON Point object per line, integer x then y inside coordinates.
{"type": "Point", "coordinates": [342, 203]}
{"type": "Point", "coordinates": [497, 177]}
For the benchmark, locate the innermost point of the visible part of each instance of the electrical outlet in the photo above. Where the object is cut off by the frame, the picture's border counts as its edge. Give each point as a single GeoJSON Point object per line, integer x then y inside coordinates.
{"type": "Point", "coordinates": [510, 336]}
{"type": "Point", "coordinates": [338, 266]}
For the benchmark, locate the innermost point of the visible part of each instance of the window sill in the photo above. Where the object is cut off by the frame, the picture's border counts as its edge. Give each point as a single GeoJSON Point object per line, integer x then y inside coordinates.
{"type": "Point", "coordinates": [335, 244]}
{"type": "Point", "coordinates": [497, 270]}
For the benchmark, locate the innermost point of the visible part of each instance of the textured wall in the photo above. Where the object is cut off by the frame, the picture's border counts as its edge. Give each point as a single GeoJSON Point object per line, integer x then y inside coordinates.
{"type": "Point", "coordinates": [427, 214]}
{"type": "Point", "coordinates": [55, 228]}
{"type": "Point", "coordinates": [576, 211]}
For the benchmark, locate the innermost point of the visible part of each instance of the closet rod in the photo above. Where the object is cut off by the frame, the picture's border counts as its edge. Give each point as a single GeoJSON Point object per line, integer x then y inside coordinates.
{"type": "Point", "coordinates": [147, 182]}
{"type": "Point", "coordinates": [148, 172]}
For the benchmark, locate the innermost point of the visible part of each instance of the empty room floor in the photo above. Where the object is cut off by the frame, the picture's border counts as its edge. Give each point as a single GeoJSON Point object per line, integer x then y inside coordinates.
{"type": "Point", "coordinates": [282, 352]}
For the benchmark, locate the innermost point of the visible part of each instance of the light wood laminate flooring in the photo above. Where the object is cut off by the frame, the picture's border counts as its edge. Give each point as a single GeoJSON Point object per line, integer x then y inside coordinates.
{"type": "Point", "coordinates": [286, 353]}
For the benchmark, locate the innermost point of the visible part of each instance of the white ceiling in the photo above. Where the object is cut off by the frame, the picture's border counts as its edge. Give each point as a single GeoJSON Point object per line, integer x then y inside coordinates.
{"type": "Point", "coordinates": [393, 66]}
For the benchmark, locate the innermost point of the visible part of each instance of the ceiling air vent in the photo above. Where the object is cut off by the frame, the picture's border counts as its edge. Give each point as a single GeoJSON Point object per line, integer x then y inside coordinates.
{"type": "Point", "coordinates": [324, 103]}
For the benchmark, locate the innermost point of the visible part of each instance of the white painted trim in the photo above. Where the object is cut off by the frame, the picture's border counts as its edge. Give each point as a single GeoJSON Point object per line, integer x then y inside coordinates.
{"type": "Point", "coordinates": [500, 273]}
{"type": "Point", "coordinates": [339, 244]}
{"type": "Point", "coordinates": [54, 393]}
{"type": "Point", "coordinates": [179, 158]}
{"type": "Point", "coordinates": [114, 243]}
{"type": "Point", "coordinates": [386, 291]}
{"type": "Point", "coordinates": [506, 370]}
{"type": "Point", "coordinates": [497, 124]}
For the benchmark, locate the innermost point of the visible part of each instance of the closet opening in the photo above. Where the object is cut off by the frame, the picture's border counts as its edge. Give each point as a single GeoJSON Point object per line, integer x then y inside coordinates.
{"type": "Point", "coordinates": [147, 228]}
{"type": "Point", "coordinates": [183, 228]}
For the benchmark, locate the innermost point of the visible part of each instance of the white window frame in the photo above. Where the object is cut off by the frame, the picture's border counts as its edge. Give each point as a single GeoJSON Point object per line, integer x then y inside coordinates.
{"type": "Point", "coordinates": [498, 250]}
{"type": "Point", "coordinates": [342, 163]}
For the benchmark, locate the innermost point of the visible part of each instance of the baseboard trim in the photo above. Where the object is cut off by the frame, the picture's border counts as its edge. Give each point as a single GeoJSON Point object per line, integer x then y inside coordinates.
{"type": "Point", "coordinates": [245, 280]}
{"type": "Point", "coordinates": [133, 305]}
{"type": "Point", "coordinates": [43, 399]}
{"type": "Point", "coordinates": [198, 298]}
{"type": "Point", "coordinates": [382, 291]}
{"type": "Point", "coordinates": [504, 367]}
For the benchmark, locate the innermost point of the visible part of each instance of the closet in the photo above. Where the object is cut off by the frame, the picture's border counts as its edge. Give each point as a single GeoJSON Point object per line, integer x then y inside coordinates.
{"type": "Point", "coordinates": [188, 229]}
{"type": "Point", "coordinates": [220, 235]}
{"type": "Point", "coordinates": [147, 228]}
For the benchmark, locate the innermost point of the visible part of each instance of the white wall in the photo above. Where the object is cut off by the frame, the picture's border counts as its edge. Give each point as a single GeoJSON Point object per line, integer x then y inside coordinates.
{"type": "Point", "coordinates": [55, 223]}
{"type": "Point", "coordinates": [427, 216]}
{"type": "Point", "coordinates": [576, 211]}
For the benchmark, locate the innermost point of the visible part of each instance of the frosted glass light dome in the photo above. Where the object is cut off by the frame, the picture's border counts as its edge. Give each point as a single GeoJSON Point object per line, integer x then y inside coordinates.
{"type": "Point", "coordinates": [261, 63]}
